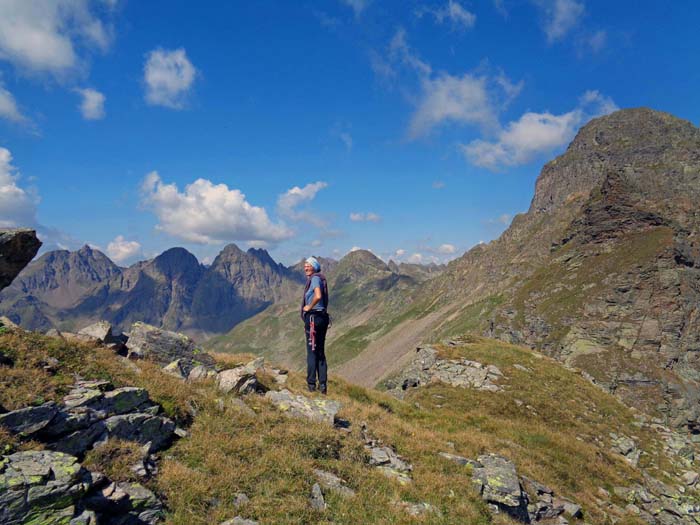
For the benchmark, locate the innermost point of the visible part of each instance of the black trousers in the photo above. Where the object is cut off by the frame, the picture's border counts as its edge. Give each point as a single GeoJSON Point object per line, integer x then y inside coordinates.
{"type": "Point", "coordinates": [316, 349]}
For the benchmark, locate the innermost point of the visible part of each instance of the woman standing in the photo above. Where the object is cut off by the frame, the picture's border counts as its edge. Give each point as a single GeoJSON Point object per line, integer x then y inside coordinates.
{"type": "Point", "coordinates": [315, 315]}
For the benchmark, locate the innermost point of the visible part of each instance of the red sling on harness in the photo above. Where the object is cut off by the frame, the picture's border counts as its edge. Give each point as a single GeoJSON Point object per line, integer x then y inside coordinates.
{"type": "Point", "coordinates": [312, 334]}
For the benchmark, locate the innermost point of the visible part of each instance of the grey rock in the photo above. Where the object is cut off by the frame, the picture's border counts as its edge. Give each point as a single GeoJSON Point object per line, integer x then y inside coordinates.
{"type": "Point", "coordinates": [239, 521]}
{"type": "Point", "coordinates": [164, 347]}
{"type": "Point", "coordinates": [29, 421]}
{"type": "Point", "coordinates": [320, 410]}
{"type": "Point", "coordinates": [330, 481]}
{"type": "Point", "coordinates": [101, 331]}
{"type": "Point", "coordinates": [454, 458]}
{"type": "Point", "coordinates": [177, 369]}
{"type": "Point", "coordinates": [40, 484]}
{"type": "Point", "coordinates": [497, 481]}
{"type": "Point", "coordinates": [141, 428]}
{"type": "Point", "coordinates": [200, 373]}
{"type": "Point", "coordinates": [240, 499]}
{"type": "Point", "coordinates": [87, 517]}
{"type": "Point", "coordinates": [318, 503]}
{"type": "Point", "coordinates": [239, 380]}
{"type": "Point", "coordinates": [418, 509]}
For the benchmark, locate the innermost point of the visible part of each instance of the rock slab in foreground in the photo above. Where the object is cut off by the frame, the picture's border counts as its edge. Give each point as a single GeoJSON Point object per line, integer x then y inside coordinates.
{"type": "Point", "coordinates": [164, 347]}
{"type": "Point", "coordinates": [320, 410]}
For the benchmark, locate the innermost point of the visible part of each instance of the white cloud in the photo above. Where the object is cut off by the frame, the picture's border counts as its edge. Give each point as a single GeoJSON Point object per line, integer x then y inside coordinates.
{"type": "Point", "coordinates": [92, 105]}
{"type": "Point", "coordinates": [316, 243]}
{"type": "Point", "coordinates": [447, 249]}
{"type": "Point", "coordinates": [8, 107]}
{"type": "Point", "coordinates": [288, 202]}
{"type": "Point", "coordinates": [208, 213]}
{"type": "Point", "coordinates": [120, 249]}
{"type": "Point", "coordinates": [560, 16]}
{"type": "Point", "coordinates": [415, 258]}
{"type": "Point", "coordinates": [44, 36]}
{"type": "Point", "coordinates": [399, 253]}
{"type": "Point", "coordinates": [400, 51]}
{"type": "Point", "coordinates": [438, 185]}
{"type": "Point", "coordinates": [536, 133]}
{"type": "Point", "coordinates": [364, 217]}
{"type": "Point", "coordinates": [17, 205]}
{"type": "Point", "coordinates": [357, 5]}
{"type": "Point", "coordinates": [169, 76]}
{"type": "Point", "coordinates": [355, 248]}
{"type": "Point", "coordinates": [462, 100]}
{"type": "Point", "coordinates": [452, 12]}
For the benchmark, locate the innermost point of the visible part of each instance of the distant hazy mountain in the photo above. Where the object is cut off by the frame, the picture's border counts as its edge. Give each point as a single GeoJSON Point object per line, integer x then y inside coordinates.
{"type": "Point", "coordinates": [70, 289]}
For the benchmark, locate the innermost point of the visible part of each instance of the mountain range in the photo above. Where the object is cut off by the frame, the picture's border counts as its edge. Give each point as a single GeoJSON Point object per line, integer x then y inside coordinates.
{"type": "Point", "coordinates": [601, 273]}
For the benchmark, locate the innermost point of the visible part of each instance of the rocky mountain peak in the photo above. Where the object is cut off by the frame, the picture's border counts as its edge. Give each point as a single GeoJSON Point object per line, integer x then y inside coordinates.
{"type": "Point", "coordinates": [176, 261]}
{"type": "Point", "coordinates": [364, 258]}
{"type": "Point", "coordinates": [658, 155]}
{"type": "Point", "coordinates": [262, 255]}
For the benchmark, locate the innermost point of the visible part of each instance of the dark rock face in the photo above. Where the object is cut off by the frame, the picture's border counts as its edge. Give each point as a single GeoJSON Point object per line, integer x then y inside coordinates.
{"type": "Point", "coordinates": [17, 248]}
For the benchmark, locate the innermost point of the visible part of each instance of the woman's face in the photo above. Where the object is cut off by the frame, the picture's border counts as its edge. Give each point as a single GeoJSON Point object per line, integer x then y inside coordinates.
{"type": "Point", "coordinates": [308, 269]}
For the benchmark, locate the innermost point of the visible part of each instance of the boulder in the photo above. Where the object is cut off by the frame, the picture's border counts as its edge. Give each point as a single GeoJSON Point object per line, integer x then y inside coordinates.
{"type": "Point", "coordinates": [240, 380]}
{"type": "Point", "coordinates": [40, 487]}
{"type": "Point", "coordinates": [141, 428]}
{"type": "Point", "coordinates": [200, 373]}
{"type": "Point", "coordinates": [318, 503]}
{"type": "Point", "coordinates": [498, 484]}
{"type": "Point", "coordinates": [330, 481]}
{"type": "Point", "coordinates": [30, 420]}
{"type": "Point", "coordinates": [6, 322]}
{"type": "Point", "coordinates": [101, 330]}
{"type": "Point", "coordinates": [164, 347]}
{"type": "Point", "coordinates": [17, 248]}
{"type": "Point", "coordinates": [176, 369]}
{"type": "Point", "coordinates": [320, 410]}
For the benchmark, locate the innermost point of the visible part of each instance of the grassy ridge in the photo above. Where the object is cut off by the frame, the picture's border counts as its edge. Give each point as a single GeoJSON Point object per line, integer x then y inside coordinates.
{"type": "Point", "coordinates": [556, 432]}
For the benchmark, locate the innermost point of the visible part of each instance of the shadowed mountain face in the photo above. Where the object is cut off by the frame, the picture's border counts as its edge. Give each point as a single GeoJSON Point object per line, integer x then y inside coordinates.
{"type": "Point", "coordinates": [70, 289]}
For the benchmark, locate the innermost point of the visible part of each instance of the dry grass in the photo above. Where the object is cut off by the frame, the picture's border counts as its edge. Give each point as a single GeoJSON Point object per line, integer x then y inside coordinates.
{"type": "Point", "coordinates": [115, 459]}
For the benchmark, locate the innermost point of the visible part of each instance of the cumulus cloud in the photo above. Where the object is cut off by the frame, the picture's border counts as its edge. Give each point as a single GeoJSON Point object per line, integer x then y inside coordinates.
{"type": "Point", "coordinates": [467, 99]}
{"type": "Point", "coordinates": [208, 213]}
{"type": "Point", "coordinates": [46, 36]}
{"type": "Point", "coordinates": [560, 17]}
{"type": "Point", "coordinates": [399, 253]}
{"type": "Point", "coordinates": [447, 98]}
{"type": "Point", "coordinates": [17, 205]}
{"type": "Point", "coordinates": [120, 249]}
{"type": "Point", "coordinates": [289, 202]}
{"type": "Point", "coordinates": [364, 217]}
{"type": "Point", "coordinates": [169, 76]}
{"type": "Point", "coordinates": [415, 258]}
{"type": "Point", "coordinates": [453, 13]}
{"type": "Point", "coordinates": [536, 133]}
{"type": "Point", "coordinates": [92, 105]}
{"type": "Point", "coordinates": [358, 6]}
{"type": "Point", "coordinates": [8, 107]}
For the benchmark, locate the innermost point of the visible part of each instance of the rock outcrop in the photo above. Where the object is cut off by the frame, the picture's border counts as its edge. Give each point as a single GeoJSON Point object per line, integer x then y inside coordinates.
{"type": "Point", "coordinates": [17, 248]}
{"type": "Point", "coordinates": [428, 367]}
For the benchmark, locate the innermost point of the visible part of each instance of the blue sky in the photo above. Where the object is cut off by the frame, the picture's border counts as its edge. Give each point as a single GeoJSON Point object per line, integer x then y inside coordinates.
{"type": "Point", "coordinates": [415, 129]}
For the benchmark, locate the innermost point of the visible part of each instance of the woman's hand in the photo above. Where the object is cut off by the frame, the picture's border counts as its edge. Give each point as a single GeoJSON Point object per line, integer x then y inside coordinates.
{"type": "Point", "coordinates": [307, 308]}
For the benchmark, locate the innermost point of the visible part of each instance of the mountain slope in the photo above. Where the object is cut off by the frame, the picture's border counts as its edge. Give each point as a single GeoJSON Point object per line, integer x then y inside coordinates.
{"type": "Point", "coordinates": [365, 296]}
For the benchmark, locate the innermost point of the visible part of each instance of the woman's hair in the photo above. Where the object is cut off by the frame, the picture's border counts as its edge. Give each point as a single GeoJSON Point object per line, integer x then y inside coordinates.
{"type": "Point", "coordinates": [314, 263]}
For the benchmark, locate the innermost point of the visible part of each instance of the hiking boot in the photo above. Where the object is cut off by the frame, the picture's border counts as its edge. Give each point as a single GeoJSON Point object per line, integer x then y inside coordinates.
{"type": "Point", "coordinates": [324, 390]}
{"type": "Point", "coordinates": [312, 388]}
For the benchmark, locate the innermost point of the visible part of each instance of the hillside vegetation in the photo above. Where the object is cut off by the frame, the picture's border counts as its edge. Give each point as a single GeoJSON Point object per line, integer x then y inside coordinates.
{"type": "Point", "coordinates": [550, 422]}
